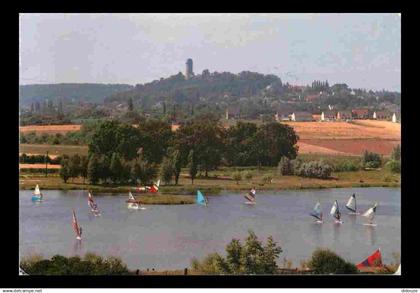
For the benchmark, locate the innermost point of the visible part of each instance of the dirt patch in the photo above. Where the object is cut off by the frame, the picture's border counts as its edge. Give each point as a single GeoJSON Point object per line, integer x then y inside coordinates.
{"type": "Point", "coordinates": [38, 166]}
{"type": "Point", "coordinates": [50, 129]}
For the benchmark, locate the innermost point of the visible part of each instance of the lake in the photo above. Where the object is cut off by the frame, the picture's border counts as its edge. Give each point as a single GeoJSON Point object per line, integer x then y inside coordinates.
{"type": "Point", "coordinates": [169, 236]}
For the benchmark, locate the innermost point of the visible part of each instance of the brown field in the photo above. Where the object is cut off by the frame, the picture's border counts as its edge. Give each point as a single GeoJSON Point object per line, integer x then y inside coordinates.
{"type": "Point", "coordinates": [50, 129]}
{"type": "Point", "coordinates": [53, 150]}
{"type": "Point", "coordinates": [38, 166]}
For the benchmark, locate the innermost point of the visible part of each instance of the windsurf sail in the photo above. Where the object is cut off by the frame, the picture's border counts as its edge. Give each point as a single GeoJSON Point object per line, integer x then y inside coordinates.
{"type": "Point", "coordinates": [316, 212]}
{"type": "Point", "coordinates": [92, 204]}
{"type": "Point", "coordinates": [201, 199]}
{"type": "Point", "coordinates": [370, 213]}
{"type": "Point", "coordinates": [251, 195]}
{"type": "Point", "coordinates": [375, 260]}
{"type": "Point", "coordinates": [37, 192]}
{"type": "Point", "coordinates": [131, 197]}
{"type": "Point", "coordinates": [335, 211]}
{"type": "Point", "coordinates": [77, 229]}
{"type": "Point", "coordinates": [351, 204]}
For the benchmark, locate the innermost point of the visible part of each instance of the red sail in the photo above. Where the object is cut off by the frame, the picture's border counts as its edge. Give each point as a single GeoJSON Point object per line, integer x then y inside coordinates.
{"type": "Point", "coordinates": [75, 225]}
{"type": "Point", "coordinates": [375, 260]}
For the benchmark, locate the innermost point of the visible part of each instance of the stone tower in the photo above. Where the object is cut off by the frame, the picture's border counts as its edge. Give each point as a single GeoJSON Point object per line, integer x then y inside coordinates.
{"type": "Point", "coordinates": [189, 69]}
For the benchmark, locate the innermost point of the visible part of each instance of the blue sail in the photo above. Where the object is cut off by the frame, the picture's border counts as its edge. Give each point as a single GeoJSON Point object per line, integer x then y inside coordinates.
{"type": "Point", "coordinates": [201, 200]}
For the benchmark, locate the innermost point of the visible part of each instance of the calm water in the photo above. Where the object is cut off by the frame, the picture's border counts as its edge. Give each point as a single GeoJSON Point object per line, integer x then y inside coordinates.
{"type": "Point", "coordinates": [168, 237]}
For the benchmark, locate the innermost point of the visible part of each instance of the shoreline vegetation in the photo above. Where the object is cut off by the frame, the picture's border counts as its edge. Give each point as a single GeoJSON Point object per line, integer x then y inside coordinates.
{"type": "Point", "coordinates": [218, 181]}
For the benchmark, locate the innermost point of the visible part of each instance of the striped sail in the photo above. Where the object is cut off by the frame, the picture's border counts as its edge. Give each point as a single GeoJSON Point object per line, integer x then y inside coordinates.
{"type": "Point", "coordinates": [351, 204]}
{"type": "Point", "coordinates": [76, 227]}
{"type": "Point", "coordinates": [250, 196]}
{"type": "Point", "coordinates": [131, 197]}
{"type": "Point", "coordinates": [316, 212]}
{"type": "Point", "coordinates": [370, 213]}
{"type": "Point", "coordinates": [201, 199]}
{"type": "Point", "coordinates": [92, 204]}
{"type": "Point", "coordinates": [335, 212]}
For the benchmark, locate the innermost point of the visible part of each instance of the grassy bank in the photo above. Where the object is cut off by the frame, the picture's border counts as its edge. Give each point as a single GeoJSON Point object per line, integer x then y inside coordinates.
{"type": "Point", "coordinates": [222, 180]}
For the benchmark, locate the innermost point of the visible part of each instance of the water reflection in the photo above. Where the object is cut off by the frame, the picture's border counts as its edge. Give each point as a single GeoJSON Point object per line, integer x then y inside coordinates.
{"type": "Point", "coordinates": [77, 246]}
{"type": "Point", "coordinates": [336, 232]}
{"type": "Point", "coordinates": [370, 232]}
{"type": "Point", "coordinates": [352, 219]}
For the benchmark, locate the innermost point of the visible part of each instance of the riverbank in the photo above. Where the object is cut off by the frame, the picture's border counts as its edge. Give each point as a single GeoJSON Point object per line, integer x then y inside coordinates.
{"type": "Point", "coordinates": [220, 180]}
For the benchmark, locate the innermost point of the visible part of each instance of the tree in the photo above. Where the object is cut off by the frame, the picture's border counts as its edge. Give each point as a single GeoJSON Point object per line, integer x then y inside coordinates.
{"type": "Point", "coordinates": [65, 171]}
{"type": "Point", "coordinates": [192, 166]}
{"type": "Point", "coordinates": [324, 261]}
{"type": "Point", "coordinates": [273, 141]}
{"type": "Point", "coordinates": [166, 170]}
{"type": "Point", "coordinates": [371, 160]}
{"type": "Point", "coordinates": [84, 161]}
{"type": "Point", "coordinates": [93, 171]}
{"type": "Point", "coordinates": [253, 257]}
{"type": "Point", "coordinates": [177, 164]}
{"type": "Point", "coordinates": [396, 153]}
{"type": "Point", "coordinates": [239, 142]}
{"type": "Point", "coordinates": [74, 166]}
{"type": "Point", "coordinates": [116, 168]}
{"type": "Point", "coordinates": [285, 166]}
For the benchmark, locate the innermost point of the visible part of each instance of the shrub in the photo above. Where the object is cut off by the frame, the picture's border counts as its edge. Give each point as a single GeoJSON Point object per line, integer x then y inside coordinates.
{"type": "Point", "coordinates": [314, 169]}
{"type": "Point", "coordinates": [267, 178]}
{"type": "Point", "coordinates": [324, 261]}
{"type": "Point", "coordinates": [371, 160]}
{"type": "Point", "coordinates": [394, 166]}
{"type": "Point", "coordinates": [91, 264]}
{"type": "Point", "coordinates": [285, 166]}
{"type": "Point", "coordinates": [396, 153]}
{"type": "Point", "coordinates": [237, 176]}
{"type": "Point", "coordinates": [346, 166]}
{"type": "Point", "coordinates": [252, 257]}
{"type": "Point", "coordinates": [248, 175]}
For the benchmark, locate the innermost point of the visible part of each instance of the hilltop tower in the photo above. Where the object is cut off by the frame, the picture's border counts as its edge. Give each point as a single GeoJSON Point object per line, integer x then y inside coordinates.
{"type": "Point", "coordinates": [189, 69]}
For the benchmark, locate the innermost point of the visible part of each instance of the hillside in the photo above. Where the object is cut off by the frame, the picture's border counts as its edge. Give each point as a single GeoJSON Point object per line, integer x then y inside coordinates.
{"type": "Point", "coordinates": [89, 92]}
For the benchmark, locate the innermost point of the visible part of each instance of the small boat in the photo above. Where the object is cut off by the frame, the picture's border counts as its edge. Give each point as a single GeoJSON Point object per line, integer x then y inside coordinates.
{"type": "Point", "coordinates": [250, 196]}
{"type": "Point", "coordinates": [370, 214]}
{"type": "Point", "coordinates": [201, 199]}
{"type": "Point", "coordinates": [133, 204]}
{"type": "Point", "coordinates": [335, 212]}
{"type": "Point", "coordinates": [93, 206]}
{"type": "Point", "coordinates": [154, 188]}
{"type": "Point", "coordinates": [351, 205]}
{"type": "Point", "coordinates": [37, 195]}
{"type": "Point", "coordinates": [77, 229]}
{"type": "Point", "coordinates": [317, 213]}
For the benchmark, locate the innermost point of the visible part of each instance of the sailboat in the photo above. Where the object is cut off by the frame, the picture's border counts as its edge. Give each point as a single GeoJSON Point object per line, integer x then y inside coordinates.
{"type": "Point", "coordinates": [372, 261]}
{"type": "Point", "coordinates": [317, 213]}
{"type": "Point", "coordinates": [250, 196]}
{"type": "Point", "coordinates": [335, 212]}
{"type": "Point", "coordinates": [77, 229]}
{"type": "Point", "coordinates": [370, 214]}
{"type": "Point", "coordinates": [133, 203]}
{"type": "Point", "coordinates": [351, 205]}
{"type": "Point", "coordinates": [201, 199]}
{"type": "Point", "coordinates": [37, 195]}
{"type": "Point", "coordinates": [93, 206]}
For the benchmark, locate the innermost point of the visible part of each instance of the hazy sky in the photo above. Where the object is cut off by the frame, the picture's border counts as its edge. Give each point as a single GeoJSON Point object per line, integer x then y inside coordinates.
{"type": "Point", "coordinates": [362, 50]}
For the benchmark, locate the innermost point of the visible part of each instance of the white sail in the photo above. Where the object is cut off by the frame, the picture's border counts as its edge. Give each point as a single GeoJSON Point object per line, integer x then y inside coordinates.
{"type": "Point", "coordinates": [370, 213]}
{"type": "Point", "coordinates": [333, 209]}
{"type": "Point", "coordinates": [158, 183]}
{"type": "Point", "coordinates": [131, 197]}
{"type": "Point", "coordinates": [37, 191]}
{"type": "Point", "coordinates": [351, 204]}
{"type": "Point", "coordinates": [317, 213]}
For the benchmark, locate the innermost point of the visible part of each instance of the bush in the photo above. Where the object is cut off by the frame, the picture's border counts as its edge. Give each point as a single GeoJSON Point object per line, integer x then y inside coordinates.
{"type": "Point", "coordinates": [324, 261]}
{"type": "Point", "coordinates": [346, 166]}
{"type": "Point", "coordinates": [285, 166]}
{"type": "Point", "coordinates": [267, 178]}
{"type": "Point", "coordinates": [314, 169]}
{"type": "Point", "coordinates": [396, 153]}
{"type": "Point", "coordinates": [237, 176]}
{"type": "Point", "coordinates": [252, 257]}
{"type": "Point", "coordinates": [91, 264]}
{"type": "Point", "coordinates": [371, 160]}
{"type": "Point", "coordinates": [394, 166]}
{"type": "Point", "coordinates": [248, 175]}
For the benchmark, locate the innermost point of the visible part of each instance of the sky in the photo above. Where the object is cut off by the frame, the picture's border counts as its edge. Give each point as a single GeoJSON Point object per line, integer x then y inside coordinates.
{"type": "Point", "coordinates": [362, 50]}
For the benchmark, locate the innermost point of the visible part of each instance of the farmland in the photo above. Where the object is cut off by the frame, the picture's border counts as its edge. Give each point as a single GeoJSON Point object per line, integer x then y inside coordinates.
{"type": "Point", "coordinates": [332, 138]}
